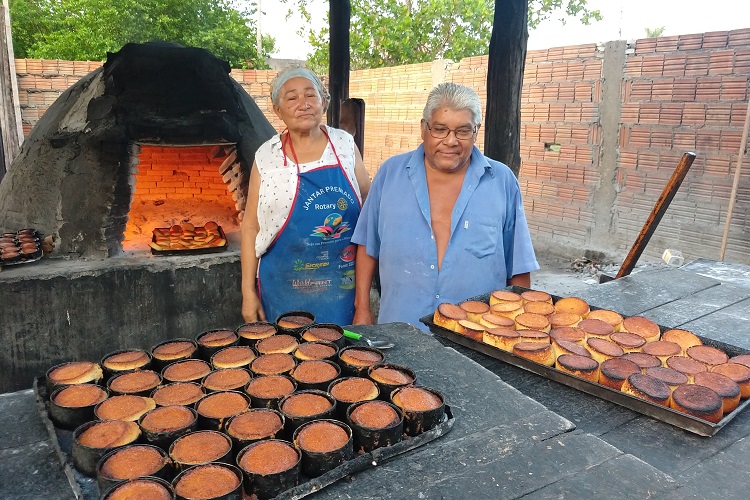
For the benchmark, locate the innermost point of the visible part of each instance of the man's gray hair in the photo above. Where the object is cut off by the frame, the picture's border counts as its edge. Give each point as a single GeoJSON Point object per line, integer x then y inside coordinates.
{"type": "Point", "coordinates": [287, 74]}
{"type": "Point", "coordinates": [453, 96]}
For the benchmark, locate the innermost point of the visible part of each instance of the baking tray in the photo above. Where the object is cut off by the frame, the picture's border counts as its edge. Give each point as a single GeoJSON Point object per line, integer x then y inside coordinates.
{"type": "Point", "coordinates": [659, 412]}
{"type": "Point", "coordinates": [86, 488]}
{"type": "Point", "coordinates": [190, 251]}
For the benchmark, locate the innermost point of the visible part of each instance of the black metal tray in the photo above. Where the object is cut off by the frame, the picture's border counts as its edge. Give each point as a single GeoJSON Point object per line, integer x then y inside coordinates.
{"type": "Point", "coordinates": [659, 412]}
{"type": "Point", "coordinates": [191, 251]}
{"type": "Point", "coordinates": [86, 488]}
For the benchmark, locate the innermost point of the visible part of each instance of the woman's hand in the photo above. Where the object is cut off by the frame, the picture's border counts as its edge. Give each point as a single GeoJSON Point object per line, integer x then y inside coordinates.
{"type": "Point", "coordinates": [252, 309]}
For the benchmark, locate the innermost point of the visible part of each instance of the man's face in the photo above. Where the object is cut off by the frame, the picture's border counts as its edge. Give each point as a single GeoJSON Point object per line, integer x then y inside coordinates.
{"type": "Point", "coordinates": [449, 154]}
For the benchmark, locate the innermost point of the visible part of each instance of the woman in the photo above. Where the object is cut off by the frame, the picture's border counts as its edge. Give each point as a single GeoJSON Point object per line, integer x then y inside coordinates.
{"type": "Point", "coordinates": [306, 190]}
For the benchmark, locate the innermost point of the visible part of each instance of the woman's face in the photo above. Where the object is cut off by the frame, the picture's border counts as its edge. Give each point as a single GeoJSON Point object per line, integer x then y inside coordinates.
{"type": "Point", "coordinates": [300, 105]}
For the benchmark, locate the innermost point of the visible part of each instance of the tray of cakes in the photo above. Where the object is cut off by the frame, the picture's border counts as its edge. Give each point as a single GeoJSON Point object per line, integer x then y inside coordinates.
{"type": "Point", "coordinates": [672, 375]}
{"type": "Point", "coordinates": [20, 247]}
{"type": "Point", "coordinates": [187, 238]}
{"type": "Point", "coordinates": [264, 410]}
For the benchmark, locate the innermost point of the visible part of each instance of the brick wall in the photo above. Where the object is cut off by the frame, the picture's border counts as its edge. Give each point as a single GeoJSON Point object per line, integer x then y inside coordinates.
{"type": "Point", "coordinates": [596, 152]}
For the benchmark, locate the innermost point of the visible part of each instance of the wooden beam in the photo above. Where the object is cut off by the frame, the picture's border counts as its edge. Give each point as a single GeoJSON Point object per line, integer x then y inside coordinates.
{"type": "Point", "coordinates": [338, 65]}
{"type": "Point", "coordinates": [10, 110]}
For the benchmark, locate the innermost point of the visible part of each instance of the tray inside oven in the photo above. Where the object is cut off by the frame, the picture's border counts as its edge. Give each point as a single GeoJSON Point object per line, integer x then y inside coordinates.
{"type": "Point", "coordinates": [201, 249]}
{"type": "Point", "coordinates": [659, 412]}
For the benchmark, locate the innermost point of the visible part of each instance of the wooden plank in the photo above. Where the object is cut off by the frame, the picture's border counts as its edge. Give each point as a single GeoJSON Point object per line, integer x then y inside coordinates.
{"type": "Point", "coordinates": [10, 109]}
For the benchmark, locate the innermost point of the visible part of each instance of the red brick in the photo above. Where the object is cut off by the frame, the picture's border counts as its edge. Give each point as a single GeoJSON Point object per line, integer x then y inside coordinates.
{"type": "Point", "coordinates": [707, 139]}
{"type": "Point", "coordinates": [716, 39]}
{"type": "Point", "coordinates": [633, 66]}
{"type": "Point", "coordinates": [708, 89]}
{"type": "Point", "coordinates": [718, 114]}
{"type": "Point", "coordinates": [649, 113]}
{"type": "Point", "coordinates": [661, 90]}
{"type": "Point", "coordinates": [734, 88]}
{"type": "Point", "coordinates": [739, 37]}
{"type": "Point", "coordinates": [696, 64]}
{"type": "Point", "coordinates": [645, 45]}
{"type": "Point", "coordinates": [661, 137]}
{"type": "Point", "coordinates": [684, 89]}
{"type": "Point", "coordinates": [721, 62]}
{"type": "Point", "coordinates": [684, 139]}
{"type": "Point", "coordinates": [640, 90]}
{"type": "Point", "coordinates": [690, 42]}
{"type": "Point", "coordinates": [640, 137]}
{"type": "Point", "coordinates": [730, 140]}
{"type": "Point", "coordinates": [653, 65]}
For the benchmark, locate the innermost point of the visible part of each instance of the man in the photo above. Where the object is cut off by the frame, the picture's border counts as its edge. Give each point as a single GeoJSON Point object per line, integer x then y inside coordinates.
{"type": "Point", "coordinates": [444, 223]}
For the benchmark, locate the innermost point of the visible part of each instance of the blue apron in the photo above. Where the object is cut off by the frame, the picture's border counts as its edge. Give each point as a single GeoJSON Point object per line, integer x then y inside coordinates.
{"type": "Point", "coordinates": [309, 266]}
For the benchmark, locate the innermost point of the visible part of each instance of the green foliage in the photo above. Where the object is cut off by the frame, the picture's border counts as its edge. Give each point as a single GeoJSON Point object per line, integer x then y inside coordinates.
{"type": "Point", "coordinates": [396, 32]}
{"type": "Point", "coordinates": [88, 29]}
{"type": "Point", "coordinates": [655, 32]}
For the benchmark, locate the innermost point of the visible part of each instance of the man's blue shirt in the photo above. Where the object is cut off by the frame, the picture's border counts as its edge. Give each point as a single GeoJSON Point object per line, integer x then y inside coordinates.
{"type": "Point", "coordinates": [489, 236]}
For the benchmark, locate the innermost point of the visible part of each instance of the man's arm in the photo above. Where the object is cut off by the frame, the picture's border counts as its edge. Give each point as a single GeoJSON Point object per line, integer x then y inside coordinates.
{"type": "Point", "coordinates": [523, 280]}
{"type": "Point", "coordinates": [364, 271]}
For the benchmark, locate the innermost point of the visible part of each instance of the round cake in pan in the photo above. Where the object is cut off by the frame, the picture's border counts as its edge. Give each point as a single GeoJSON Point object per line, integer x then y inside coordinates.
{"type": "Point", "coordinates": [134, 382]}
{"type": "Point", "coordinates": [200, 447]}
{"type": "Point", "coordinates": [596, 328]}
{"type": "Point", "coordinates": [353, 389]}
{"type": "Point", "coordinates": [629, 342]}
{"type": "Point", "coordinates": [580, 366]}
{"type": "Point", "coordinates": [536, 296]}
{"type": "Point", "coordinates": [602, 349]}
{"type": "Point", "coordinates": [75, 372]}
{"type": "Point", "coordinates": [322, 332]}
{"type": "Point", "coordinates": [569, 333]}
{"type": "Point", "coordinates": [499, 296]}
{"type": "Point", "coordinates": [572, 305]}
{"type": "Point", "coordinates": [233, 357]}
{"type": "Point", "coordinates": [315, 350]}
{"type": "Point", "coordinates": [643, 360]}
{"type": "Point", "coordinates": [686, 365]}
{"type": "Point", "coordinates": [305, 404]}
{"type": "Point", "coordinates": [273, 364]}
{"type": "Point", "coordinates": [737, 372]}
{"type": "Point", "coordinates": [642, 326]}
{"type": "Point", "coordinates": [132, 359]}
{"type": "Point", "coordinates": [541, 308]}
{"type": "Point", "coordinates": [109, 434]}
{"type": "Point", "coordinates": [662, 349]}
{"type": "Point", "coordinates": [725, 387]}
{"type": "Point", "coordinates": [270, 387]}
{"type": "Point", "coordinates": [167, 419]}
{"type": "Point", "coordinates": [709, 356]}
{"type": "Point", "coordinates": [684, 338]}
{"type": "Point", "coordinates": [647, 387]}
{"type": "Point", "coordinates": [124, 407]}
{"type": "Point", "coordinates": [539, 352]}
{"type": "Point", "coordinates": [144, 487]}
{"type": "Point", "coordinates": [178, 393]}
{"type": "Point", "coordinates": [563, 320]}
{"type": "Point", "coordinates": [502, 338]}
{"type": "Point", "coordinates": [133, 461]}
{"type": "Point", "coordinates": [698, 401]}
{"type": "Point", "coordinates": [412, 398]}
{"type": "Point", "coordinates": [374, 415]}
{"type": "Point", "coordinates": [611, 317]}
{"type": "Point", "coordinates": [81, 395]}
{"type": "Point", "coordinates": [474, 309]}
{"type": "Point", "coordinates": [188, 370]}
{"type": "Point", "coordinates": [321, 436]}
{"type": "Point", "coordinates": [256, 423]}
{"type": "Point", "coordinates": [227, 379]}
{"type": "Point", "coordinates": [268, 457]}
{"type": "Point", "coordinates": [206, 481]}
{"type": "Point", "coordinates": [613, 372]}
{"type": "Point", "coordinates": [671, 377]}
{"type": "Point", "coordinates": [280, 343]}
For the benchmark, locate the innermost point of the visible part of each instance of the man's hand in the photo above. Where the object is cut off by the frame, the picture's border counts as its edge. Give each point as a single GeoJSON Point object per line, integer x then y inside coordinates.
{"type": "Point", "coordinates": [252, 309]}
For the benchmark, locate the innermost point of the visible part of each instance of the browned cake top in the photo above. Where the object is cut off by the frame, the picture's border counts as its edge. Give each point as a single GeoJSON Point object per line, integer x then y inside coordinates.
{"type": "Point", "coordinates": [572, 305]}
{"type": "Point", "coordinates": [474, 306]}
{"type": "Point", "coordinates": [314, 350]}
{"type": "Point", "coordinates": [563, 319]}
{"type": "Point", "coordinates": [500, 321]}
{"type": "Point", "coordinates": [506, 307]}
{"type": "Point", "coordinates": [610, 317]}
{"type": "Point", "coordinates": [255, 424]}
{"type": "Point", "coordinates": [80, 395]}
{"type": "Point", "coordinates": [391, 376]}
{"type": "Point", "coordinates": [649, 386]}
{"type": "Point", "coordinates": [726, 387]}
{"type": "Point", "coordinates": [185, 371]}
{"type": "Point", "coordinates": [206, 481]}
{"type": "Point", "coordinates": [569, 347]}
{"type": "Point", "coordinates": [532, 347]}
{"type": "Point", "coordinates": [227, 379]}
{"type": "Point", "coordinates": [200, 447]}
{"type": "Point", "coordinates": [503, 332]}
{"type": "Point", "coordinates": [534, 336]}
{"type": "Point", "coordinates": [354, 389]}
{"type": "Point", "coordinates": [258, 330]}
{"type": "Point", "coordinates": [322, 333]}
{"type": "Point", "coordinates": [217, 338]}
{"type": "Point", "coordinates": [688, 366]}
{"type": "Point", "coordinates": [133, 461]}
{"type": "Point", "coordinates": [313, 372]}
{"type": "Point", "coordinates": [374, 415]}
{"type": "Point", "coordinates": [270, 386]}
{"type": "Point", "coordinates": [542, 308]}
{"type": "Point", "coordinates": [277, 343]}
{"type": "Point", "coordinates": [606, 347]}
{"type": "Point", "coordinates": [662, 348]}
{"type": "Point", "coordinates": [360, 357]}
{"type": "Point", "coordinates": [126, 360]}
{"type": "Point", "coordinates": [416, 399]}
{"type": "Point", "coordinates": [124, 407]}
{"type": "Point", "coordinates": [642, 359]}
{"type": "Point", "coordinates": [641, 326]}
{"type": "Point", "coordinates": [735, 371]}
{"type": "Point", "coordinates": [232, 357]}
{"type": "Point", "coordinates": [178, 393]}
{"type": "Point", "coordinates": [305, 404]}
{"type": "Point", "coordinates": [173, 350]}
{"type": "Point", "coordinates": [536, 296]}
{"type": "Point", "coordinates": [619, 368]}
{"type": "Point", "coordinates": [269, 457]}
{"type": "Point", "coordinates": [167, 418]}
{"type": "Point", "coordinates": [596, 327]}
{"type": "Point", "coordinates": [683, 337]}
{"type": "Point", "coordinates": [109, 434]}
{"type": "Point", "coordinates": [322, 437]}
{"type": "Point", "coordinates": [532, 321]}
{"type": "Point", "coordinates": [135, 381]}
{"type": "Point", "coordinates": [294, 321]}
{"type": "Point", "coordinates": [570, 333]}
{"type": "Point", "coordinates": [140, 488]}
{"type": "Point", "coordinates": [707, 355]}
{"type": "Point", "coordinates": [75, 372]}
{"type": "Point", "coordinates": [451, 311]}
{"type": "Point", "coordinates": [667, 375]}
{"type": "Point", "coordinates": [506, 296]}
{"type": "Point", "coordinates": [627, 340]}
{"type": "Point", "coordinates": [222, 404]}
{"type": "Point", "coordinates": [743, 359]}
{"type": "Point", "coordinates": [697, 398]}
{"type": "Point", "coordinates": [576, 362]}
{"type": "Point", "coordinates": [272, 364]}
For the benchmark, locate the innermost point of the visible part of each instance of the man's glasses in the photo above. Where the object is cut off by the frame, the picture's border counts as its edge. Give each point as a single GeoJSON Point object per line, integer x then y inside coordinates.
{"type": "Point", "coordinates": [461, 133]}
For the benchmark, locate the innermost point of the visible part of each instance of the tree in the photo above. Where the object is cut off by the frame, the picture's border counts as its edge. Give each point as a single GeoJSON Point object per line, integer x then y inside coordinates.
{"type": "Point", "coordinates": [396, 32]}
{"type": "Point", "coordinates": [655, 32]}
{"type": "Point", "coordinates": [88, 29]}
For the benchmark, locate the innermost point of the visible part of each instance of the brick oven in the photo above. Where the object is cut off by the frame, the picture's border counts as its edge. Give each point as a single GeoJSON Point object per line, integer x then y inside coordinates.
{"type": "Point", "coordinates": [159, 135]}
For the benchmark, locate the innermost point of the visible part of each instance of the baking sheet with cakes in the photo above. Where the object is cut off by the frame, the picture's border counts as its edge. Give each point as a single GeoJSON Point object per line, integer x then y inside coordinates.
{"type": "Point", "coordinates": [20, 247]}
{"type": "Point", "coordinates": [187, 238]}
{"type": "Point", "coordinates": [278, 410]}
{"type": "Point", "coordinates": [673, 375]}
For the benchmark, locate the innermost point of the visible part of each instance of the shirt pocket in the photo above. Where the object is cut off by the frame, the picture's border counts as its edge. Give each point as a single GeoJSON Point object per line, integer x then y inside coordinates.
{"type": "Point", "coordinates": [480, 235]}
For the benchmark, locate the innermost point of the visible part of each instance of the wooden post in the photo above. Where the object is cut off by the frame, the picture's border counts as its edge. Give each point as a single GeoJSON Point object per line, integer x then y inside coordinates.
{"type": "Point", "coordinates": [735, 184]}
{"type": "Point", "coordinates": [10, 109]}
{"type": "Point", "coordinates": [338, 64]}
{"type": "Point", "coordinates": [656, 214]}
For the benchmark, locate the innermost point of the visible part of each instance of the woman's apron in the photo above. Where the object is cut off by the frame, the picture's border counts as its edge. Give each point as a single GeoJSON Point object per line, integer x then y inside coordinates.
{"type": "Point", "coordinates": [310, 264]}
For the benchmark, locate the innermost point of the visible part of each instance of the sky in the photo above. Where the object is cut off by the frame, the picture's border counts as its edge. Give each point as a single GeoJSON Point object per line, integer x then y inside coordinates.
{"type": "Point", "coordinates": [623, 20]}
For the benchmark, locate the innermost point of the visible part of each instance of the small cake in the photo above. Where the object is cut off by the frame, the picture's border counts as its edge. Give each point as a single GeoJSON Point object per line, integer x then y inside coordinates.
{"type": "Point", "coordinates": [206, 481]}
{"type": "Point", "coordinates": [305, 404]}
{"type": "Point", "coordinates": [353, 389]}
{"type": "Point", "coordinates": [642, 326]}
{"type": "Point", "coordinates": [165, 419]}
{"type": "Point", "coordinates": [273, 364]}
{"type": "Point", "coordinates": [448, 315]}
{"type": "Point", "coordinates": [316, 350]}
{"type": "Point", "coordinates": [142, 487]}
{"type": "Point", "coordinates": [502, 338]}
{"type": "Point", "coordinates": [200, 447]}
{"type": "Point", "coordinates": [222, 404]}
{"type": "Point", "coordinates": [124, 407]}
{"type": "Point", "coordinates": [280, 343]}
{"type": "Point", "coordinates": [255, 424]}
{"type": "Point", "coordinates": [227, 379]}
{"type": "Point", "coordinates": [374, 415]}
{"type": "Point", "coordinates": [256, 330]}
{"type": "Point", "coordinates": [357, 356]}
{"type": "Point", "coordinates": [321, 436]}
{"type": "Point", "coordinates": [725, 387]}
{"type": "Point", "coordinates": [268, 457]}
{"type": "Point", "coordinates": [697, 401]}
{"type": "Point", "coordinates": [709, 356]}
{"type": "Point", "coordinates": [294, 321]}
{"type": "Point", "coordinates": [507, 309]}
{"type": "Point", "coordinates": [411, 398]}
{"type": "Point", "coordinates": [602, 349]}
{"type": "Point", "coordinates": [217, 338]}
{"type": "Point", "coordinates": [671, 377]}
{"type": "Point", "coordinates": [560, 347]}
{"type": "Point", "coordinates": [613, 372]}
{"type": "Point", "coordinates": [541, 308]}
{"type": "Point", "coordinates": [563, 319]}
{"type": "Point", "coordinates": [572, 305]}
{"type": "Point", "coordinates": [321, 332]}
{"type": "Point", "coordinates": [647, 387]}
{"type": "Point", "coordinates": [662, 349]}
{"type": "Point", "coordinates": [391, 375]}
{"type": "Point", "coordinates": [686, 365]}
{"type": "Point", "coordinates": [684, 338]}
{"type": "Point", "coordinates": [133, 461]}
{"type": "Point", "coordinates": [173, 350]}
{"type": "Point", "coordinates": [490, 320]}
{"type": "Point", "coordinates": [126, 360]}
{"type": "Point", "coordinates": [630, 342]}
{"type": "Point", "coordinates": [178, 393]}
{"type": "Point", "coordinates": [109, 434]}
{"type": "Point", "coordinates": [315, 372]}
{"type": "Point", "coordinates": [737, 372]}
{"type": "Point", "coordinates": [470, 329]}
{"type": "Point", "coordinates": [596, 328]}
{"type": "Point", "coordinates": [743, 359]}
{"type": "Point", "coordinates": [533, 336]}
{"type": "Point", "coordinates": [499, 296]}
{"type": "Point", "coordinates": [474, 309]}
{"type": "Point", "coordinates": [137, 382]}
{"type": "Point", "coordinates": [580, 366]}
{"type": "Point", "coordinates": [538, 352]}
{"type": "Point", "coordinates": [75, 372]}
{"type": "Point", "coordinates": [530, 321]}
{"type": "Point", "coordinates": [270, 387]}
{"type": "Point", "coordinates": [643, 360]}
{"type": "Point", "coordinates": [608, 316]}
{"type": "Point", "coordinates": [81, 395]}
{"type": "Point", "coordinates": [186, 371]}
{"type": "Point", "coordinates": [571, 334]}
{"type": "Point", "coordinates": [536, 296]}
{"type": "Point", "coordinates": [233, 357]}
